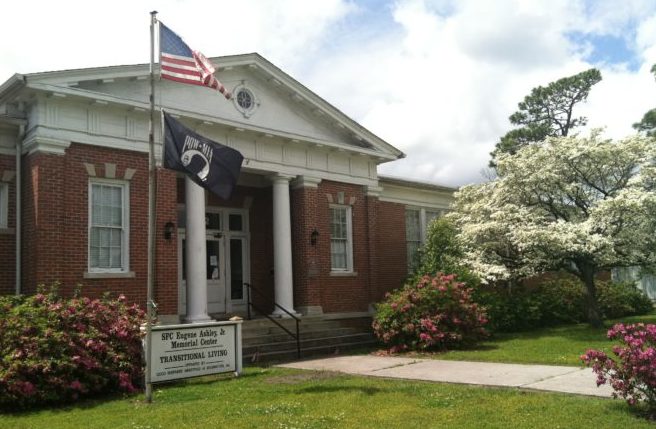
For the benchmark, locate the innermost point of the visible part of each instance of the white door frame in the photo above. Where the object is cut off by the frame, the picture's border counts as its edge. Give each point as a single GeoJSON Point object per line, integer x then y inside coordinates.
{"type": "Point", "coordinates": [225, 235]}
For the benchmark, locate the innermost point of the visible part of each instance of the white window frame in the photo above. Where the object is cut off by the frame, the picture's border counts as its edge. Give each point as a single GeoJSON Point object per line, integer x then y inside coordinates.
{"type": "Point", "coordinates": [125, 242]}
{"type": "Point", "coordinates": [349, 238]}
{"type": "Point", "coordinates": [4, 205]}
{"type": "Point", "coordinates": [423, 227]}
{"type": "Point", "coordinates": [410, 259]}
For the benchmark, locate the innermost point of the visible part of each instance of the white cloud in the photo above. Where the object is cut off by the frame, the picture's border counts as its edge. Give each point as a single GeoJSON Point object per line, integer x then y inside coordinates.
{"type": "Point", "coordinates": [437, 79]}
{"type": "Point", "coordinates": [443, 86]}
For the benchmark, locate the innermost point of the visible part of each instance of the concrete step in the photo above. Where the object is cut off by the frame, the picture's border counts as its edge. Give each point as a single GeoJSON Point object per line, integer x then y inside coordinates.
{"type": "Point", "coordinates": [251, 338]}
{"type": "Point", "coordinates": [290, 355]}
{"type": "Point", "coordinates": [290, 344]}
{"type": "Point", "coordinates": [267, 327]}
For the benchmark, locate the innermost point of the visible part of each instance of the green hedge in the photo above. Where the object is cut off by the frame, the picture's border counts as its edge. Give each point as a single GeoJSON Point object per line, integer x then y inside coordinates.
{"type": "Point", "coordinates": [556, 301]}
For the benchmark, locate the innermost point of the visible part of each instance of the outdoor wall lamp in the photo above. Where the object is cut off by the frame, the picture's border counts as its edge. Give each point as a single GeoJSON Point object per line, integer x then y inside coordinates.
{"type": "Point", "coordinates": [168, 230]}
{"type": "Point", "coordinates": [313, 237]}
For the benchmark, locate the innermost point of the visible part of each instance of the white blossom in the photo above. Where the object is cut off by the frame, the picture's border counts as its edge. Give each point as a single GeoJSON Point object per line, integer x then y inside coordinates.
{"type": "Point", "coordinates": [562, 204]}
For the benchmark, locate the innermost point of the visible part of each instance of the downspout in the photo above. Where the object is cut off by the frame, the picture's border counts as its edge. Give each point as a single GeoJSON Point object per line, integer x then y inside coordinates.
{"type": "Point", "coordinates": [19, 176]}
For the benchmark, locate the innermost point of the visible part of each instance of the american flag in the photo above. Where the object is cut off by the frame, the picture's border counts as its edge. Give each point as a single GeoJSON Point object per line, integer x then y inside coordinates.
{"type": "Point", "coordinates": [179, 63]}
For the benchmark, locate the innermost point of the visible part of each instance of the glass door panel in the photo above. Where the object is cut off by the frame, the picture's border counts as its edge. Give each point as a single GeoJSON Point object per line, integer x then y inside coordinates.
{"type": "Point", "coordinates": [236, 269]}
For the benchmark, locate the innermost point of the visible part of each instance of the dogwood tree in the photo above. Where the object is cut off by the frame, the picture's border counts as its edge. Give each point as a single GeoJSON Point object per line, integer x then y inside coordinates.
{"type": "Point", "coordinates": [579, 204]}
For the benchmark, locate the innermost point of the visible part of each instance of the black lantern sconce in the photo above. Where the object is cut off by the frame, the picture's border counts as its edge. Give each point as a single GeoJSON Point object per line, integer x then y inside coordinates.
{"type": "Point", "coordinates": [168, 230]}
{"type": "Point", "coordinates": [313, 237]}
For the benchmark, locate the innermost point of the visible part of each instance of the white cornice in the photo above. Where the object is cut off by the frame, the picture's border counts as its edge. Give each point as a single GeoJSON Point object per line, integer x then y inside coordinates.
{"type": "Point", "coordinates": [306, 182]}
{"type": "Point", "coordinates": [34, 143]}
{"type": "Point", "coordinates": [374, 191]}
{"type": "Point", "coordinates": [61, 80]}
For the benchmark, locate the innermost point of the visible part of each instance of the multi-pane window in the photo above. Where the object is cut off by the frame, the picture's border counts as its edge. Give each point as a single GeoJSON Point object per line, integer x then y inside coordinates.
{"type": "Point", "coordinates": [341, 246]}
{"type": "Point", "coordinates": [412, 235]}
{"type": "Point", "coordinates": [430, 217]}
{"type": "Point", "coordinates": [4, 204]}
{"type": "Point", "coordinates": [417, 222]}
{"type": "Point", "coordinates": [108, 228]}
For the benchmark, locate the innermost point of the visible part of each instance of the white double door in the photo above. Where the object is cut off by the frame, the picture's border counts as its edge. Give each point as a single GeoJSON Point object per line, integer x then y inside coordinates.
{"type": "Point", "coordinates": [225, 271]}
{"type": "Point", "coordinates": [215, 273]}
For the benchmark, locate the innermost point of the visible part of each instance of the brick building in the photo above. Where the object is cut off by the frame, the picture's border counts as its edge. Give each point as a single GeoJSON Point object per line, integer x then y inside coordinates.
{"type": "Point", "coordinates": [74, 192]}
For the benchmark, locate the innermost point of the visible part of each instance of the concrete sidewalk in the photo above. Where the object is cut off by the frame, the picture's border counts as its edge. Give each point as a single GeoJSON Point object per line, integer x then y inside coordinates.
{"type": "Point", "coordinates": [567, 379]}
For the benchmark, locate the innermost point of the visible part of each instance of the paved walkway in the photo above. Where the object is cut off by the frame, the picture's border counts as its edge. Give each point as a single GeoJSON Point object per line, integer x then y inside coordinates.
{"type": "Point", "coordinates": [567, 379]}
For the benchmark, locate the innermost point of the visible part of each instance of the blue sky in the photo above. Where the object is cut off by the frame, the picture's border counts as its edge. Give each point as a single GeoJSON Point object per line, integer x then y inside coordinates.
{"type": "Point", "coordinates": [435, 78]}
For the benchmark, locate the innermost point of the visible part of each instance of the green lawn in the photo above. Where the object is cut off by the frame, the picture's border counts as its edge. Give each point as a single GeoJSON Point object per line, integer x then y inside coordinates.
{"type": "Point", "coordinates": [278, 398]}
{"type": "Point", "coordinates": [550, 346]}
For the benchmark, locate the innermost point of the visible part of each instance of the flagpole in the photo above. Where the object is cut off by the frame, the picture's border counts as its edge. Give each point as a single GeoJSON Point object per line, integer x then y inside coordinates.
{"type": "Point", "coordinates": [151, 210]}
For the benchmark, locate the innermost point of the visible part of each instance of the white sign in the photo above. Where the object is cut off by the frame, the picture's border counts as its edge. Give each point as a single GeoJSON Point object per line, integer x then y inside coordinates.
{"type": "Point", "coordinates": [184, 351]}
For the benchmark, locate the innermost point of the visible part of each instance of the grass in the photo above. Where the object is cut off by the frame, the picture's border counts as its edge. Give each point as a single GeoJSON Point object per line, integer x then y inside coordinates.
{"type": "Point", "coordinates": [281, 398]}
{"type": "Point", "coordinates": [560, 345]}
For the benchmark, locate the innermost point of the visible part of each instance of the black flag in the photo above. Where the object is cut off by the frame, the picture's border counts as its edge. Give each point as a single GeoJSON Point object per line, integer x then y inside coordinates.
{"type": "Point", "coordinates": [213, 166]}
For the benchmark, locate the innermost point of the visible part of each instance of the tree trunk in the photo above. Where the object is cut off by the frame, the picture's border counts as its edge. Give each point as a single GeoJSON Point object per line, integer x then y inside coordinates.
{"type": "Point", "coordinates": [591, 306]}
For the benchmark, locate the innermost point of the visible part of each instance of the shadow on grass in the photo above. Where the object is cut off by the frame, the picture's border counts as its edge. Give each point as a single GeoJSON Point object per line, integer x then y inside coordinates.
{"type": "Point", "coordinates": [369, 391]}
{"type": "Point", "coordinates": [82, 404]}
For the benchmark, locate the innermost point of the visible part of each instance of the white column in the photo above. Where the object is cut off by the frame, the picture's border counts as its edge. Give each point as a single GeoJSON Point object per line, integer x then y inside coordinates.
{"type": "Point", "coordinates": [282, 246]}
{"type": "Point", "coordinates": [195, 252]}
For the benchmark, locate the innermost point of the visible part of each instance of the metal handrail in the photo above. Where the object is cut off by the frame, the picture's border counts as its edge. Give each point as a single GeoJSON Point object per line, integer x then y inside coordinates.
{"type": "Point", "coordinates": [249, 304]}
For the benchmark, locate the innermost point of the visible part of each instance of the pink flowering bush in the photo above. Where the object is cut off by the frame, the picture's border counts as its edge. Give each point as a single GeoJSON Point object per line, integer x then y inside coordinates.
{"type": "Point", "coordinates": [633, 373]}
{"type": "Point", "coordinates": [435, 313]}
{"type": "Point", "coordinates": [59, 350]}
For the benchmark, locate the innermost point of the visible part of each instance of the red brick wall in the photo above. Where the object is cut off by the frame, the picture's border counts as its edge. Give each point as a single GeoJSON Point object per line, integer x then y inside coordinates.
{"type": "Point", "coordinates": [8, 238]}
{"type": "Point", "coordinates": [56, 243]}
{"type": "Point", "coordinates": [379, 249]}
{"type": "Point", "coordinates": [392, 250]}
{"type": "Point", "coordinates": [343, 293]}
{"type": "Point", "coordinates": [166, 254]}
{"type": "Point", "coordinates": [373, 214]}
{"type": "Point", "coordinates": [55, 227]}
{"type": "Point", "coordinates": [43, 244]}
{"type": "Point", "coordinates": [306, 257]}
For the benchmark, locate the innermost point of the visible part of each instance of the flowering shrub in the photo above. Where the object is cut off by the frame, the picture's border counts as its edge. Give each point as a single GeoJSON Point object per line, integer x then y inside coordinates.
{"type": "Point", "coordinates": [633, 374]}
{"type": "Point", "coordinates": [433, 313]}
{"type": "Point", "coordinates": [58, 350]}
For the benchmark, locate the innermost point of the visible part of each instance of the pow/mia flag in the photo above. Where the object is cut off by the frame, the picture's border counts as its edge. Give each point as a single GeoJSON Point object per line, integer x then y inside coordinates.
{"type": "Point", "coordinates": [212, 165]}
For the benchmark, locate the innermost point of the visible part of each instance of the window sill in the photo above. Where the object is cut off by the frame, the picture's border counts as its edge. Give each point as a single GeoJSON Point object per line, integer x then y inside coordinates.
{"type": "Point", "coordinates": [343, 274]}
{"type": "Point", "coordinates": [124, 275]}
{"type": "Point", "coordinates": [7, 230]}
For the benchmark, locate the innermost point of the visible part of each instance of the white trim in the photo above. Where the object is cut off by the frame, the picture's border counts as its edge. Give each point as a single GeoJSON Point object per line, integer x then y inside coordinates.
{"type": "Point", "coordinates": [109, 275]}
{"type": "Point", "coordinates": [247, 113]}
{"type": "Point", "coordinates": [306, 182]}
{"type": "Point", "coordinates": [125, 245]}
{"type": "Point", "coordinates": [349, 241]}
{"type": "Point", "coordinates": [413, 203]}
{"type": "Point", "coordinates": [45, 81]}
{"type": "Point", "coordinates": [35, 143]}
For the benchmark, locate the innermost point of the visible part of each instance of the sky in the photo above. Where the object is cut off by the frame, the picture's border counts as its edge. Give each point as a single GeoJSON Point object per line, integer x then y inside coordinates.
{"type": "Point", "coordinates": [437, 79]}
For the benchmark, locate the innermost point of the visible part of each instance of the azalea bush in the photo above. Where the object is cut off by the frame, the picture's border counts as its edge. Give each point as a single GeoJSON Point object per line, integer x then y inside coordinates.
{"type": "Point", "coordinates": [433, 313]}
{"type": "Point", "coordinates": [632, 374]}
{"type": "Point", "coordinates": [58, 350]}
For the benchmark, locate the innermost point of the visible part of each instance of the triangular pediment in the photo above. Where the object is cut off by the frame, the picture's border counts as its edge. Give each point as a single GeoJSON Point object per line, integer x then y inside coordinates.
{"type": "Point", "coordinates": [279, 105]}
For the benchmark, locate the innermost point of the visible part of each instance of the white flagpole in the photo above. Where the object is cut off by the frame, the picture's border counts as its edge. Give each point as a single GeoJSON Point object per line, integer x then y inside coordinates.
{"type": "Point", "coordinates": [151, 210]}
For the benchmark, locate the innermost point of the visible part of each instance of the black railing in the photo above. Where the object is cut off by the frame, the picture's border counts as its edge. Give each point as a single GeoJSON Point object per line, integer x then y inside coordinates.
{"type": "Point", "coordinates": [249, 304]}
